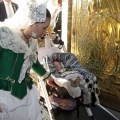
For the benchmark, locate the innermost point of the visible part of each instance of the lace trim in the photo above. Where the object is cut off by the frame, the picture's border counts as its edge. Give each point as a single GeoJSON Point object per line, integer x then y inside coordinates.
{"type": "Point", "coordinates": [11, 41]}
{"type": "Point", "coordinates": [38, 13]}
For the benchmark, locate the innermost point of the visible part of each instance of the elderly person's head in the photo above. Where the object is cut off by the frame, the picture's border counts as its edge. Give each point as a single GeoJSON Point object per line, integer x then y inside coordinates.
{"type": "Point", "coordinates": [58, 64]}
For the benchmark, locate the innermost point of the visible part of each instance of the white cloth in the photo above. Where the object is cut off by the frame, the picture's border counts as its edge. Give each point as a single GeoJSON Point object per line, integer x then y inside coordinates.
{"type": "Point", "coordinates": [15, 109]}
{"type": "Point", "coordinates": [9, 9]}
{"type": "Point", "coordinates": [64, 82]}
{"type": "Point", "coordinates": [73, 91]}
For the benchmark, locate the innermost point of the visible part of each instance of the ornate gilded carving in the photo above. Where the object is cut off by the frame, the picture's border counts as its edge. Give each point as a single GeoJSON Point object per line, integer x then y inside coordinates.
{"type": "Point", "coordinates": [96, 40]}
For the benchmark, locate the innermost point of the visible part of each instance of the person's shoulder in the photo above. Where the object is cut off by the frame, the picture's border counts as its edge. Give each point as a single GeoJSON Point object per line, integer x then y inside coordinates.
{"type": "Point", "coordinates": [3, 27]}
{"type": "Point", "coordinates": [1, 2]}
{"type": "Point", "coordinates": [13, 3]}
{"type": "Point", "coordinates": [6, 35]}
{"type": "Point", "coordinates": [5, 30]}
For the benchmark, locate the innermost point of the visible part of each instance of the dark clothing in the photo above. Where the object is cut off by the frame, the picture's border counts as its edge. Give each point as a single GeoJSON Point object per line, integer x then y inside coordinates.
{"type": "Point", "coordinates": [3, 14]}
{"type": "Point", "coordinates": [57, 28]}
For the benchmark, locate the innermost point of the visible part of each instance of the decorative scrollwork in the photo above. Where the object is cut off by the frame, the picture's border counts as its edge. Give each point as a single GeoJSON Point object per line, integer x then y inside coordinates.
{"type": "Point", "coordinates": [96, 40]}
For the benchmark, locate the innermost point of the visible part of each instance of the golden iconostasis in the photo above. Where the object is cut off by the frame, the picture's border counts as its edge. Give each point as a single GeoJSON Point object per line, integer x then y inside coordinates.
{"type": "Point", "coordinates": [95, 40]}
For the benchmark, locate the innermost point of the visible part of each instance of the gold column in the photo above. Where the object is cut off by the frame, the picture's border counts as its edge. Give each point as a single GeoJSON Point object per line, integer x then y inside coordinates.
{"type": "Point", "coordinates": [69, 25]}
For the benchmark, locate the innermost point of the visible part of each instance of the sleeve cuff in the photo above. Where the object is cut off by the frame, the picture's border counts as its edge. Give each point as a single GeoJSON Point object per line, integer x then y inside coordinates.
{"type": "Point", "coordinates": [45, 76]}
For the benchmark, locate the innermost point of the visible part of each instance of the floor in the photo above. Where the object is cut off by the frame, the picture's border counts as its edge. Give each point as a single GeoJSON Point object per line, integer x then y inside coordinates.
{"type": "Point", "coordinates": [115, 113]}
{"type": "Point", "coordinates": [98, 114]}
